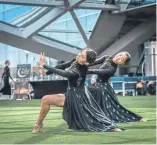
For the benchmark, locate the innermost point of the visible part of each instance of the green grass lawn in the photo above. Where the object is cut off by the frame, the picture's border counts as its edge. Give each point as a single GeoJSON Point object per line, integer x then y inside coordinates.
{"type": "Point", "coordinates": [17, 119]}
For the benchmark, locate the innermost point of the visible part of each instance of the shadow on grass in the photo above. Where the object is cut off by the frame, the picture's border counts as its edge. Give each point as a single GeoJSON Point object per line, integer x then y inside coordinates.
{"type": "Point", "coordinates": [60, 130]}
{"type": "Point", "coordinates": [37, 138]}
{"type": "Point", "coordinates": [63, 131]}
{"type": "Point", "coordinates": [14, 132]}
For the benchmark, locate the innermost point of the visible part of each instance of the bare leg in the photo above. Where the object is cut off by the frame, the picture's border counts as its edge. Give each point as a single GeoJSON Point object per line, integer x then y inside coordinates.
{"type": "Point", "coordinates": [57, 100]}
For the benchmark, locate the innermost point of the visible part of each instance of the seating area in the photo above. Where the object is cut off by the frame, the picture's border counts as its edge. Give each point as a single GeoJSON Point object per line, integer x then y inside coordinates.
{"type": "Point", "coordinates": [128, 84]}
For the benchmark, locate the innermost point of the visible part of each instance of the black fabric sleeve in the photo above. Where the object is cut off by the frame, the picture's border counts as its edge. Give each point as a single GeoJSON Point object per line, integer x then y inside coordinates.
{"type": "Point", "coordinates": [101, 72]}
{"type": "Point", "coordinates": [63, 73]}
{"type": "Point", "coordinates": [62, 66]}
{"type": "Point", "coordinates": [98, 61]}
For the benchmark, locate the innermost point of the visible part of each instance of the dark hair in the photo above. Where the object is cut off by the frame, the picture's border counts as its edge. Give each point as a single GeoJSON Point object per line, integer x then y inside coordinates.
{"type": "Point", "coordinates": [128, 57]}
{"type": "Point", "coordinates": [6, 62]}
{"type": "Point", "coordinates": [91, 55]}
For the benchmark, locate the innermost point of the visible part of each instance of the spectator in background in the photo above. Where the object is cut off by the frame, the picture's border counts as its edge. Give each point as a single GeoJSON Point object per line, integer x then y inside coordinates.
{"type": "Point", "coordinates": [151, 88]}
{"type": "Point", "coordinates": [141, 88]}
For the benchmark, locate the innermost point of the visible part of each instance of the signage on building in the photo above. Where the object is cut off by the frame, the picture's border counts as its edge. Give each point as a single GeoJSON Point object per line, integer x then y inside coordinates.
{"type": "Point", "coordinates": [23, 71]}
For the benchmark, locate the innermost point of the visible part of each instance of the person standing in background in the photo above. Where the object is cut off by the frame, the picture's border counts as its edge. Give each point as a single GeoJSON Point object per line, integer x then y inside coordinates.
{"type": "Point", "coordinates": [6, 89]}
{"type": "Point", "coordinates": [151, 88]}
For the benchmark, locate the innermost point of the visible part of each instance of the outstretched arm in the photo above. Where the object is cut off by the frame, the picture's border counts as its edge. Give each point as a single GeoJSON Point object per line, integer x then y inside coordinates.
{"type": "Point", "coordinates": [62, 66]}
{"type": "Point", "coordinates": [62, 73]}
{"type": "Point", "coordinates": [99, 61]}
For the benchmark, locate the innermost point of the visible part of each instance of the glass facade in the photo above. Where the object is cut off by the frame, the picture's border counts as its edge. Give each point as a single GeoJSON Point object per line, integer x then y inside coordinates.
{"type": "Point", "coordinates": [63, 29]}
{"type": "Point", "coordinates": [18, 56]}
{"type": "Point", "coordinates": [10, 12]}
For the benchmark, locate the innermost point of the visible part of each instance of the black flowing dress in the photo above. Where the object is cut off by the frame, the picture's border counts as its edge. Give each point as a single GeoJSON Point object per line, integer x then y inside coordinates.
{"type": "Point", "coordinates": [6, 89]}
{"type": "Point", "coordinates": [81, 111]}
{"type": "Point", "coordinates": [105, 96]}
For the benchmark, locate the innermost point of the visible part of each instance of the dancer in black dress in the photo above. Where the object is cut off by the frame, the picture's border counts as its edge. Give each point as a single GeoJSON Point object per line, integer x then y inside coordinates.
{"type": "Point", "coordinates": [80, 110]}
{"type": "Point", "coordinates": [6, 89]}
{"type": "Point", "coordinates": [104, 93]}
{"type": "Point", "coordinates": [106, 98]}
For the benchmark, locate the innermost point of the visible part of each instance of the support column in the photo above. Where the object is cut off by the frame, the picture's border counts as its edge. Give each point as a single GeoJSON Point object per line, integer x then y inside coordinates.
{"type": "Point", "coordinates": [133, 38]}
{"type": "Point", "coordinates": [106, 31]}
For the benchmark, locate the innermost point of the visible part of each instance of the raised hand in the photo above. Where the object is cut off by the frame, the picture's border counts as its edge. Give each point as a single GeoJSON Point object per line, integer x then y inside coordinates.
{"type": "Point", "coordinates": [42, 62]}
{"type": "Point", "coordinates": [42, 59]}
